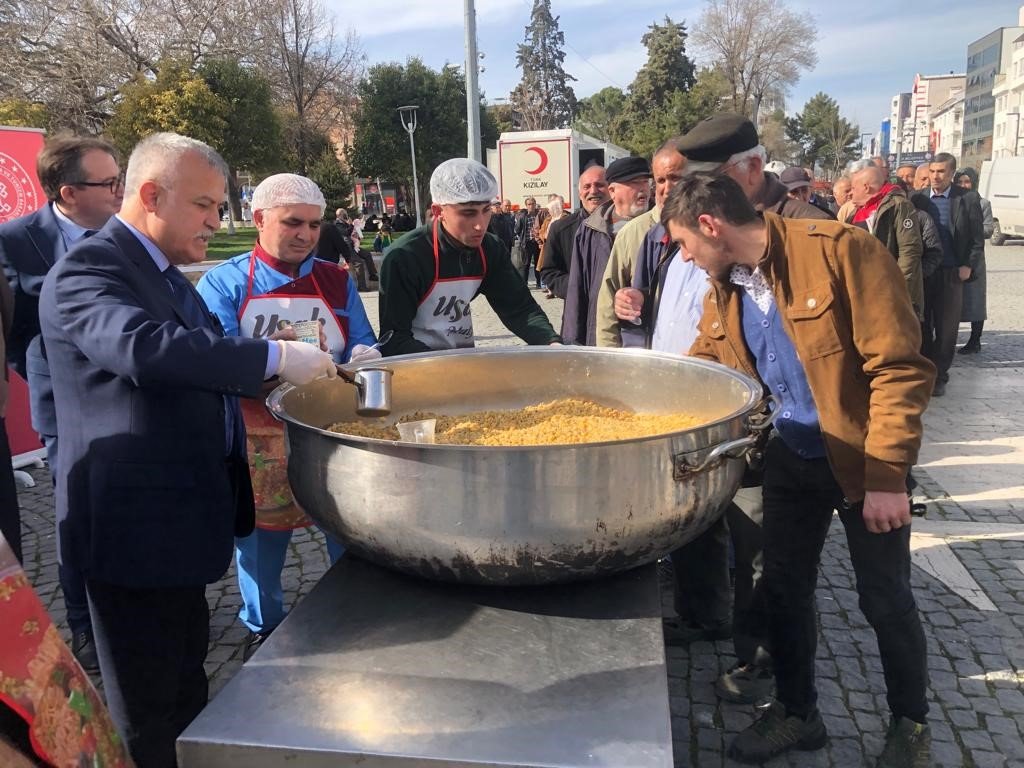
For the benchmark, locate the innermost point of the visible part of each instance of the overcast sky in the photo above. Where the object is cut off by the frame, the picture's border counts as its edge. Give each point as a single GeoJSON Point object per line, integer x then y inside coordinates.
{"type": "Point", "coordinates": [867, 50]}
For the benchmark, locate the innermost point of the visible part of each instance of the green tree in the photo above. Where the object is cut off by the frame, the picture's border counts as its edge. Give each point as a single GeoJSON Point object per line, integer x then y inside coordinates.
{"type": "Point", "coordinates": [667, 70]}
{"type": "Point", "coordinates": [333, 179]}
{"type": "Point", "coordinates": [823, 136]}
{"type": "Point", "coordinates": [380, 146]}
{"type": "Point", "coordinates": [176, 100]}
{"type": "Point", "coordinates": [252, 130]}
{"type": "Point", "coordinates": [544, 99]}
{"type": "Point", "coordinates": [599, 115]}
{"type": "Point", "coordinates": [23, 114]}
{"type": "Point", "coordinates": [682, 111]}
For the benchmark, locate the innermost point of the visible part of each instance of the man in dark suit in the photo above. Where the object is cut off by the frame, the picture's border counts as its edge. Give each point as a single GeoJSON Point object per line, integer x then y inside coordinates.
{"type": "Point", "coordinates": [10, 520]}
{"type": "Point", "coordinates": [957, 215]}
{"type": "Point", "coordinates": [82, 182]}
{"type": "Point", "coordinates": [152, 483]}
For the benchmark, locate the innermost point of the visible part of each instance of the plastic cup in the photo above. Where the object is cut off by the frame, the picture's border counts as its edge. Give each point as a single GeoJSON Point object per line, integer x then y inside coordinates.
{"type": "Point", "coordinates": [308, 331]}
{"type": "Point", "coordinates": [417, 431]}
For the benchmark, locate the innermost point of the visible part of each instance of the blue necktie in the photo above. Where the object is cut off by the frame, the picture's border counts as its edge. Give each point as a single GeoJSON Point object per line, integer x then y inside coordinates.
{"type": "Point", "coordinates": [195, 313]}
{"type": "Point", "coordinates": [187, 300]}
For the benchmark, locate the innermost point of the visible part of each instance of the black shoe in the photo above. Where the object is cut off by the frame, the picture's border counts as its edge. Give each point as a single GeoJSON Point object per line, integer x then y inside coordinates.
{"type": "Point", "coordinates": [774, 733]}
{"type": "Point", "coordinates": [83, 648]}
{"type": "Point", "coordinates": [679, 632]}
{"type": "Point", "coordinates": [252, 643]}
{"type": "Point", "coordinates": [939, 389]}
{"type": "Point", "coordinates": [970, 348]}
{"type": "Point", "coordinates": [907, 745]}
{"type": "Point", "coordinates": [746, 684]}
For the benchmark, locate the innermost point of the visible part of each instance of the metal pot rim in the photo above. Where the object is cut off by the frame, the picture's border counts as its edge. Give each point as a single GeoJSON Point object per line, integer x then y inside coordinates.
{"type": "Point", "coordinates": [755, 395]}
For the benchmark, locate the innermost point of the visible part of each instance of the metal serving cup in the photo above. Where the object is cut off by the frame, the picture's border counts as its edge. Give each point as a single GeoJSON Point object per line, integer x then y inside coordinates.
{"type": "Point", "coordinates": [374, 391]}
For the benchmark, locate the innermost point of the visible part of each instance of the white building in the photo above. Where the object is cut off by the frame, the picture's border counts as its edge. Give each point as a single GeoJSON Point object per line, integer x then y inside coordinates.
{"type": "Point", "coordinates": [930, 93]}
{"type": "Point", "coordinates": [947, 126]}
{"type": "Point", "coordinates": [1008, 94]}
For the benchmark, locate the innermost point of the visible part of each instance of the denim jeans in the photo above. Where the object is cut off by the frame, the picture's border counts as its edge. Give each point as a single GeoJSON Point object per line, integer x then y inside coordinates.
{"type": "Point", "coordinates": [799, 498]}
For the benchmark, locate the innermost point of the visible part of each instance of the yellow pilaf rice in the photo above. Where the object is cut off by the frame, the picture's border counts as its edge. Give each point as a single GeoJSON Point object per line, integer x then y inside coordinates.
{"type": "Point", "coordinates": [563, 421]}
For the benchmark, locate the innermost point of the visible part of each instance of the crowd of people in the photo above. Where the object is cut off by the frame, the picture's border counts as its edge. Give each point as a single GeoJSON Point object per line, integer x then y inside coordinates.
{"type": "Point", "coordinates": [147, 391]}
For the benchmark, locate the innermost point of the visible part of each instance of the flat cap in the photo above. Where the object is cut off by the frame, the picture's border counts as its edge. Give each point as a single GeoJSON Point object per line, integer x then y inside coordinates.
{"type": "Point", "coordinates": [627, 169]}
{"type": "Point", "coordinates": [795, 177]}
{"type": "Point", "coordinates": [717, 138]}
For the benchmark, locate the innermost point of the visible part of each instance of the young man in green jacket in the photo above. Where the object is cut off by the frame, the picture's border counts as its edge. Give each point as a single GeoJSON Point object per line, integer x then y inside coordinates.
{"type": "Point", "coordinates": [430, 276]}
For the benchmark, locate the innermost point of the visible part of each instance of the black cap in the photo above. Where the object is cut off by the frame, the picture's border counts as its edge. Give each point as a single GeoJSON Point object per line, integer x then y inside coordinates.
{"type": "Point", "coordinates": [717, 138]}
{"type": "Point", "coordinates": [627, 169]}
{"type": "Point", "coordinates": [795, 177]}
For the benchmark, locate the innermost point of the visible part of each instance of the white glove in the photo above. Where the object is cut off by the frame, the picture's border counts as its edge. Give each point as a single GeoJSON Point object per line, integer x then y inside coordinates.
{"type": "Point", "coordinates": [301, 363]}
{"type": "Point", "coordinates": [364, 354]}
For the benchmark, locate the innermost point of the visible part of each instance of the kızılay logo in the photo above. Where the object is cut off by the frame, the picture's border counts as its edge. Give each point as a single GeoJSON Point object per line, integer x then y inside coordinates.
{"type": "Point", "coordinates": [17, 192]}
{"type": "Point", "coordinates": [542, 160]}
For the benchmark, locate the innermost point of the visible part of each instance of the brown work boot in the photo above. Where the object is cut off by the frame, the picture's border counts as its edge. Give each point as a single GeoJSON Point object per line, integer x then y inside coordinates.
{"type": "Point", "coordinates": [776, 732]}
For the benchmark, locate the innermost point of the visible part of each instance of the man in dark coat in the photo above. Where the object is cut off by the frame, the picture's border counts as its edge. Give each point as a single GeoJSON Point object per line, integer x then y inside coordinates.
{"type": "Point", "coordinates": [957, 213]}
{"type": "Point", "coordinates": [629, 186]}
{"type": "Point", "coordinates": [153, 483]}
{"type": "Point", "coordinates": [593, 192]}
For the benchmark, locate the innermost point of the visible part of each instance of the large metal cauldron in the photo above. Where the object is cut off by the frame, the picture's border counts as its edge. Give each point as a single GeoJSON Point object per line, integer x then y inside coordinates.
{"type": "Point", "coordinates": [522, 515]}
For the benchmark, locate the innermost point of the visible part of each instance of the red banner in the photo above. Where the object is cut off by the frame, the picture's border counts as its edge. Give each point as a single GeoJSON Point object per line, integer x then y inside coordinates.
{"type": "Point", "coordinates": [20, 194]}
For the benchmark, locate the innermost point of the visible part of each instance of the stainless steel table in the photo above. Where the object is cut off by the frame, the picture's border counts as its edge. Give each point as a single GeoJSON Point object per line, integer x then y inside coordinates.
{"type": "Point", "coordinates": [374, 669]}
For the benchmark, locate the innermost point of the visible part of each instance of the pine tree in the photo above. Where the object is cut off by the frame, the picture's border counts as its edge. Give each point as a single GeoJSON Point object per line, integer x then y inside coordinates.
{"type": "Point", "coordinates": [543, 99]}
{"type": "Point", "coordinates": [668, 69]}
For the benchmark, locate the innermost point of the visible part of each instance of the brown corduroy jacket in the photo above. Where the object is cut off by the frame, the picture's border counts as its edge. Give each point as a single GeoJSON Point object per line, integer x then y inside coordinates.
{"type": "Point", "coordinates": [844, 304]}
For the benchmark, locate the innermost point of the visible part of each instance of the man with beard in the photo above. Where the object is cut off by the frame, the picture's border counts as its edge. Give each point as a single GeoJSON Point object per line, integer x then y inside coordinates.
{"type": "Point", "coordinates": [593, 192]}
{"type": "Point", "coordinates": [818, 313]}
{"type": "Point", "coordinates": [629, 185]}
{"type": "Point", "coordinates": [432, 274]}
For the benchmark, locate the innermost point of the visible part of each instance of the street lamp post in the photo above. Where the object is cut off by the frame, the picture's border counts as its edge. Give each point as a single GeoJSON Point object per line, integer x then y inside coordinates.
{"type": "Point", "coordinates": [408, 117]}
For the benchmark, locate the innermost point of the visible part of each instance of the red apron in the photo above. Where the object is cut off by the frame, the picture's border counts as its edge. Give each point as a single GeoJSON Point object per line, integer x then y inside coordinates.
{"type": "Point", "coordinates": [259, 317]}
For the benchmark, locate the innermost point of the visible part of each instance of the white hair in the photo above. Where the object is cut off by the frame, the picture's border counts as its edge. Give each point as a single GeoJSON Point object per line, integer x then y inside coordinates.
{"type": "Point", "coordinates": [158, 158]}
{"type": "Point", "coordinates": [739, 159]}
{"type": "Point", "coordinates": [555, 207]}
{"type": "Point", "coordinates": [857, 166]}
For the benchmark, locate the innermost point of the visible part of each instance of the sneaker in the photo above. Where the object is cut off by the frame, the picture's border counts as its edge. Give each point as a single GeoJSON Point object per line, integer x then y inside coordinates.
{"type": "Point", "coordinates": [907, 745]}
{"type": "Point", "coordinates": [746, 684]}
{"type": "Point", "coordinates": [774, 733]}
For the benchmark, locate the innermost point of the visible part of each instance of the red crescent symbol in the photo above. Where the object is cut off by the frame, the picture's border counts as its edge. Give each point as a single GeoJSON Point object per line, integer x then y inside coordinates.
{"type": "Point", "coordinates": [543, 156]}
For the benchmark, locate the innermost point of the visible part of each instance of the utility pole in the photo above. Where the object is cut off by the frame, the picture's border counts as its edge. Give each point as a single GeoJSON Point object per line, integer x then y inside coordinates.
{"type": "Point", "coordinates": [472, 86]}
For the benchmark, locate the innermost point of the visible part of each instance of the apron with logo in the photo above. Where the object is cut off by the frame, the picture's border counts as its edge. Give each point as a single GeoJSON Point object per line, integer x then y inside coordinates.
{"type": "Point", "coordinates": [260, 316]}
{"type": "Point", "coordinates": [443, 319]}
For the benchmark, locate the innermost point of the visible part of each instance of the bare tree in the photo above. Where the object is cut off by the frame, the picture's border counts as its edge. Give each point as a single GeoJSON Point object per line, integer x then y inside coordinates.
{"type": "Point", "coordinates": [314, 71]}
{"type": "Point", "coordinates": [757, 45]}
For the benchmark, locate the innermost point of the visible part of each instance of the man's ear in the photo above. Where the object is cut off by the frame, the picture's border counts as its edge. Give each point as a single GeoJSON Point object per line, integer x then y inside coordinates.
{"type": "Point", "coordinates": [149, 194]}
{"type": "Point", "coordinates": [708, 225]}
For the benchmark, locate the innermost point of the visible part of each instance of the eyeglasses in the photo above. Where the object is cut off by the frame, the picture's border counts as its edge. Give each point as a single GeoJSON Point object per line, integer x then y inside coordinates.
{"type": "Point", "coordinates": [113, 184]}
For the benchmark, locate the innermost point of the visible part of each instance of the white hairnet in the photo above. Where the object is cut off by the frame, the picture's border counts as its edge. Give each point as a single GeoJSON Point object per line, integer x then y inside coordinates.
{"type": "Point", "coordinates": [461, 180]}
{"type": "Point", "coordinates": [287, 189]}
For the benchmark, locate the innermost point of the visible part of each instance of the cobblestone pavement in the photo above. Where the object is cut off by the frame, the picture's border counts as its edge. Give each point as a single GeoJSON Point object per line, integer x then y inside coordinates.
{"type": "Point", "coordinates": [969, 586]}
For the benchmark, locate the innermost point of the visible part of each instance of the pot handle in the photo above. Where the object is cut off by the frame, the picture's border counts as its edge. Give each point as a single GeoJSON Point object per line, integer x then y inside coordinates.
{"type": "Point", "coordinates": [759, 420]}
{"type": "Point", "coordinates": [685, 465]}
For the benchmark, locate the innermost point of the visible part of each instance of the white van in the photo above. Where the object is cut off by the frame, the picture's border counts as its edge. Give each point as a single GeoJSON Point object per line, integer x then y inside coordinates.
{"type": "Point", "coordinates": [1002, 184]}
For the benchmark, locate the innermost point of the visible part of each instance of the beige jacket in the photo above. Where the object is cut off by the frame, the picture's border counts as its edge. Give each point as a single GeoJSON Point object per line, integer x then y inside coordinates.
{"type": "Point", "coordinates": [619, 274]}
{"type": "Point", "coordinates": [843, 303]}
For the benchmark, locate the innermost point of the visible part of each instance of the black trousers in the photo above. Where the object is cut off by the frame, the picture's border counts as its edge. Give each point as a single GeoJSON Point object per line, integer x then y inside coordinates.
{"type": "Point", "coordinates": [10, 515]}
{"type": "Point", "coordinates": [531, 252]}
{"type": "Point", "coordinates": [703, 593]}
{"type": "Point", "coordinates": [151, 645]}
{"type": "Point", "coordinates": [799, 498]}
{"type": "Point", "coordinates": [943, 299]}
